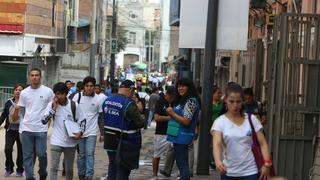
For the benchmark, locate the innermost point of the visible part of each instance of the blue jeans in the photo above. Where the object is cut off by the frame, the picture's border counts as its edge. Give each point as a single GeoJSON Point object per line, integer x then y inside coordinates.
{"type": "Point", "coordinates": [181, 154]}
{"type": "Point", "coordinates": [87, 147]}
{"type": "Point", "coordinates": [116, 172]}
{"type": "Point", "coordinates": [34, 141]}
{"type": "Point", "coordinates": [250, 177]}
{"type": "Point", "coordinates": [150, 117]}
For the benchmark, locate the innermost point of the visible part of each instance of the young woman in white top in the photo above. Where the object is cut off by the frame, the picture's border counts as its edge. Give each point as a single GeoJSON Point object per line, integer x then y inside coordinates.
{"type": "Point", "coordinates": [232, 133]}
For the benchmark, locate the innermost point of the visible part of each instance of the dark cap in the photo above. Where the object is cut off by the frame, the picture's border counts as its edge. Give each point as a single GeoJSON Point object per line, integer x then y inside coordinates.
{"type": "Point", "coordinates": [127, 84]}
{"type": "Point", "coordinates": [170, 90]}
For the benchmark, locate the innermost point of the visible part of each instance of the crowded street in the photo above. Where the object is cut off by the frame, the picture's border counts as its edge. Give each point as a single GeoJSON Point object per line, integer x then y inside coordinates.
{"type": "Point", "coordinates": [101, 161]}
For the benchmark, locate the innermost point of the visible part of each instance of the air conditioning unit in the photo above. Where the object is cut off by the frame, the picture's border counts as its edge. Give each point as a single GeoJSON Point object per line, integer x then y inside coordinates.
{"type": "Point", "coordinates": [59, 46]}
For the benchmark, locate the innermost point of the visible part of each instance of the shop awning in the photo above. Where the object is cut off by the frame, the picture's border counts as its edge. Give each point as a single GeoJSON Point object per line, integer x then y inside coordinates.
{"type": "Point", "coordinates": [11, 28]}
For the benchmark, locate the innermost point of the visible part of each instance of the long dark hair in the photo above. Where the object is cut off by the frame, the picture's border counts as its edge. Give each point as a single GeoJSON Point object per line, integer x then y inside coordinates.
{"type": "Point", "coordinates": [191, 92]}
{"type": "Point", "coordinates": [232, 88]}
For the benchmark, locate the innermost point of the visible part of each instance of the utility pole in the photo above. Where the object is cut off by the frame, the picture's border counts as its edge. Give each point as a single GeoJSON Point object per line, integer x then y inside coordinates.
{"type": "Point", "coordinates": [113, 36]}
{"type": "Point", "coordinates": [102, 30]}
{"type": "Point", "coordinates": [93, 38]}
{"type": "Point", "coordinates": [207, 87]}
{"type": "Point", "coordinates": [149, 52]}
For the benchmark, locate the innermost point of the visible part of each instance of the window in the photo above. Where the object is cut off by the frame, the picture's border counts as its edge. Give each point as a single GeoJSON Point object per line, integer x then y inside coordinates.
{"type": "Point", "coordinates": [132, 37]}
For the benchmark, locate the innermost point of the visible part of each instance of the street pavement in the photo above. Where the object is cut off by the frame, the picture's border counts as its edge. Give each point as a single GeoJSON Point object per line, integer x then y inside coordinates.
{"type": "Point", "coordinates": [101, 161]}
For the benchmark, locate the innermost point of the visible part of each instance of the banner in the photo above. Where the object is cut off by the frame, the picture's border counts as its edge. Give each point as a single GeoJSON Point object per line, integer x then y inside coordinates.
{"type": "Point", "coordinates": [232, 32]}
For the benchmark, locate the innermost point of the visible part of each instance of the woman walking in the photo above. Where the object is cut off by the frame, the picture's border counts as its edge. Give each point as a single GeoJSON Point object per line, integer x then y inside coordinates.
{"type": "Point", "coordinates": [12, 118]}
{"type": "Point", "coordinates": [233, 131]}
{"type": "Point", "coordinates": [182, 123]}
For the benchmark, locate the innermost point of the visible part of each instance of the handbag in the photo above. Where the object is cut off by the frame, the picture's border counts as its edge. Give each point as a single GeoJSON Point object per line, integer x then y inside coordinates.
{"type": "Point", "coordinates": [173, 128]}
{"type": "Point", "coordinates": [128, 153]}
{"type": "Point", "coordinates": [256, 150]}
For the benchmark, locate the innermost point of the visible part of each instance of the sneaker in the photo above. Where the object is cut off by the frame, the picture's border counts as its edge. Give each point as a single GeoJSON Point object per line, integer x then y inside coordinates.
{"type": "Point", "coordinates": [8, 173]}
{"type": "Point", "coordinates": [164, 173]}
{"type": "Point", "coordinates": [19, 174]}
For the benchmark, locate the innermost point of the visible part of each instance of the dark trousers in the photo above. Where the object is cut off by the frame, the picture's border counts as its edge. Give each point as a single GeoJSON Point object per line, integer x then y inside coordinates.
{"type": "Point", "coordinates": [116, 172]}
{"type": "Point", "coordinates": [250, 177]}
{"type": "Point", "coordinates": [12, 136]}
{"type": "Point", "coordinates": [181, 154]}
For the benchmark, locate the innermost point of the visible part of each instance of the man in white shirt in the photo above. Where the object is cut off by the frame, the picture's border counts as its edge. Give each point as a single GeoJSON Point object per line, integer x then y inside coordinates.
{"type": "Point", "coordinates": [91, 106]}
{"type": "Point", "coordinates": [98, 90]}
{"type": "Point", "coordinates": [32, 104]}
{"type": "Point", "coordinates": [62, 109]}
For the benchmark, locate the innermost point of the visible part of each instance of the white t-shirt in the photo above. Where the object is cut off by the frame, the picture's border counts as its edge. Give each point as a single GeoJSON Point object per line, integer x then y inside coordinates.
{"type": "Point", "coordinates": [59, 136]}
{"type": "Point", "coordinates": [238, 157]}
{"type": "Point", "coordinates": [91, 107]}
{"type": "Point", "coordinates": [35, 102]}
{"type": "Point", "coordinates": [102, 97]}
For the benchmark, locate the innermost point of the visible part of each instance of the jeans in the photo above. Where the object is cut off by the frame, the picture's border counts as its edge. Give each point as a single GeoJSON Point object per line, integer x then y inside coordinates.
{"type": "Point", "coordinates": [69, 153]}
{"type": "Point", "coordinates": [181, 154]}
{"type": "Point", "coordinates": [116, 172]}
{"type": "Point", "coordinates": [87, 147]}
{"type": "Point", "coordinates": [250, 177]}
{"type": "Point", "coordinates": [12, 136]}
{"type": "Point", "coordinates": [150, 117]}
{"type": "Point", "coordinates": [169, 162]}
{"type": "Point", "coordinates": [34, 141]}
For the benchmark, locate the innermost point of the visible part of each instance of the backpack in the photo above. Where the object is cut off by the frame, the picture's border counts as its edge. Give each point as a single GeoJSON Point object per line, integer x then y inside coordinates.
{"type": "Point", "coordinates": [73, 106]}
{"type": "Point", "coordinates": [73, 110]}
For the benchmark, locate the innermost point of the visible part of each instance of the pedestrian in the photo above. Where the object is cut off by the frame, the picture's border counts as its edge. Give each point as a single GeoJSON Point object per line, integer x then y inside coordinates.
{"type": "Point", "coordinates": [152, 104]}
{"type": "Point", "coordinates": [98, 90]}
{"type": "Point", "coordinates": [139, 102]}
{"type": "Point", "coordinates": [232, 132]}
{"type": "Point", "coordinates": [69, 84]}
{"type": "Point", "coordinates": [182, 124]}
{"type": "Point", "coordinates": [91, 106]}
{"type": "Point", "coordinates": [32, 104]}
{"type": "Point", "coordinates": [79, 88]}
{"type": "Point", "coordinates": [252, 106]}
{"type": "Point", "coordinates": [161, 117]}
{"type": "Point", "coordinates": [121, 116]}
{"type": "Point", "coordinates": [63, 109]}
{"type": "Point", "coordinates": [216, 112]}
{"type": "Point", "coordinates": [12, 133]}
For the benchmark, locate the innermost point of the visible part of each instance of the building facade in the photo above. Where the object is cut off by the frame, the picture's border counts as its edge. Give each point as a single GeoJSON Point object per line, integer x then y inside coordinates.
{"type": "Point", "coordinates": [33, 31]}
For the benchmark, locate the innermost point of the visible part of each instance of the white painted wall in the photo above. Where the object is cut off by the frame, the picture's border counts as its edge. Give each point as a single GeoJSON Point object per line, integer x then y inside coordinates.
{"type": "Point", "coordinates": [12, 45]}
{"type": "Point", "coordinates": [165, 31]}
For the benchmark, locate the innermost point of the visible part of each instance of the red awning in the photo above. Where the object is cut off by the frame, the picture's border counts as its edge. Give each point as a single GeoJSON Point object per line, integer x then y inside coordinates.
{"type": "Point", "coordinates": [11, 28]}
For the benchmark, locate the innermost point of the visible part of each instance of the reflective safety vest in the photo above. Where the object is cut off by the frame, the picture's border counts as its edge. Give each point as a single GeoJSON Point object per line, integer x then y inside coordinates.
{"type": "Point", "coordinates": [115, 121]}
{"type": "Point", "coordinates": [184, 134]}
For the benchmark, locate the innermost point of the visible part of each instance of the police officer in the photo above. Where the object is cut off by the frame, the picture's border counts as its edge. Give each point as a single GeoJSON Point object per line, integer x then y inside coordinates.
{"type": "Point", "coordinates": [121, 114]}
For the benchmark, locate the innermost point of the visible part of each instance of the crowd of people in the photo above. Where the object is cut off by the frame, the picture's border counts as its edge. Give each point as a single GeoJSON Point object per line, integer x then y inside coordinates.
{"type": "Point", "coordinates": [82, 115]}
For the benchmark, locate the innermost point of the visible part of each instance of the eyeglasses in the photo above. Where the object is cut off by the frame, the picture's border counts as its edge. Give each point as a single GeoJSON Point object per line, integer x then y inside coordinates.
{"type": "Point", "coordinates": [234, 102]}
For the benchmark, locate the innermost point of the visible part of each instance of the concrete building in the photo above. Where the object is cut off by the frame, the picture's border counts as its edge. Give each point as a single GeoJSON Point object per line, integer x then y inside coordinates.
{"type": "Point", "coordinates": [33, 32]}
{"type": "Point", "coordinates": [138, 18]}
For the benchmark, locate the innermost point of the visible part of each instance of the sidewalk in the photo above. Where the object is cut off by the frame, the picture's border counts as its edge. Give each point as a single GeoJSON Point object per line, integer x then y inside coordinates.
{"type": "Point", "coordinates": [101, 161]}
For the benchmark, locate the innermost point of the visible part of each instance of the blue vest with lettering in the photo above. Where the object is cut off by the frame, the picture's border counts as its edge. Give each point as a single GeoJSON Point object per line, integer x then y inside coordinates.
{"type": "Point", "coordinates": [185, 134]}
{"type": "Point", "coordinates": [114, 109]}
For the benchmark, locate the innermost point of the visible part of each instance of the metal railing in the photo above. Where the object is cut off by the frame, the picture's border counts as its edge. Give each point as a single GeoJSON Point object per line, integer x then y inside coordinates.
{"type": "Point", "coordinates": [5, 94]}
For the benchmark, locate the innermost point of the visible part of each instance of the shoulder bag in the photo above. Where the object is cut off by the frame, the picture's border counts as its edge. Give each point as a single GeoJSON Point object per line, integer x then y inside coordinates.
{"type": "Point", "coordinates": [256, 149]}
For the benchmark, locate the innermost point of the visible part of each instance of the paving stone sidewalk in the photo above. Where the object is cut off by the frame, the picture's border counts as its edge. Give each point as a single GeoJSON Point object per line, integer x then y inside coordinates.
{"type": "Point", "coordinates": [101, 161]}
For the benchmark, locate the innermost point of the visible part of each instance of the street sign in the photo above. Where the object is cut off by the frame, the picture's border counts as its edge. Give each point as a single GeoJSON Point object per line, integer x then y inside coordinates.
{"type": "Point", "coordinates": [113, 46]}
{"type": "Point", "coordinates": [270, 19]}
